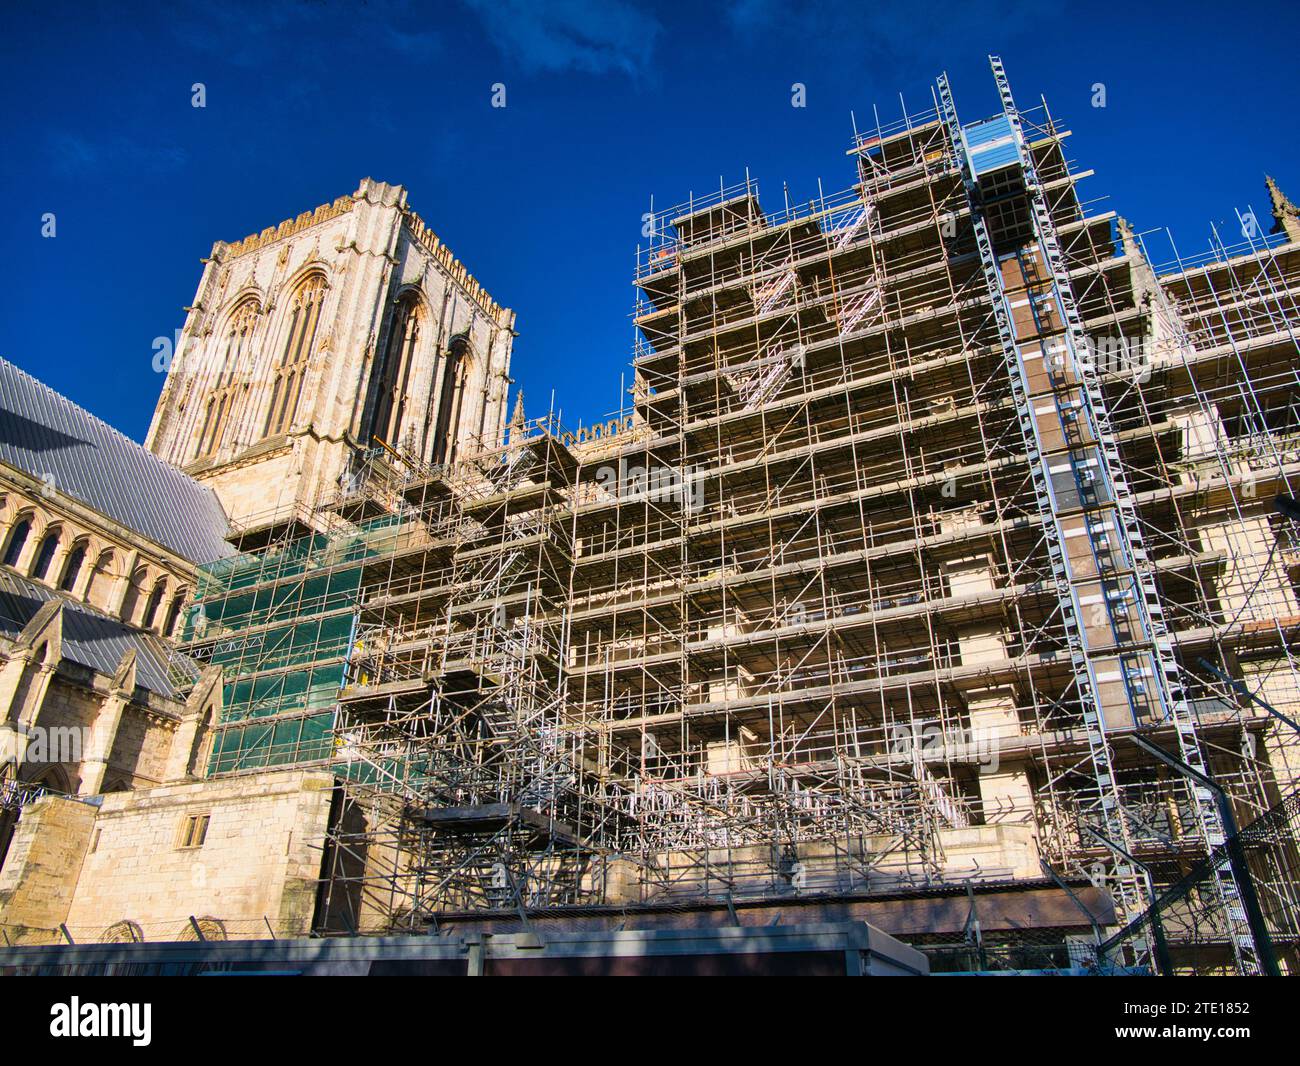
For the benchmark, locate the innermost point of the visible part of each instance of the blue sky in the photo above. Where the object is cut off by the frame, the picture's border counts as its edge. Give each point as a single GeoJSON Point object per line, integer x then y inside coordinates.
{"type": "Point", "coordinates": [608, 104]}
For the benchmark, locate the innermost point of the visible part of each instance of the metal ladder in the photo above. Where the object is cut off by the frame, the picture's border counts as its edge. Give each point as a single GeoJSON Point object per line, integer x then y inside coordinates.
{"type": "Point", "coordinates": [1172, 697]}
{"type": "Point", "coordinates": [856, 309]}
{"type": "Point", "coordinates": [847, 231]}
{"type": "Point", "coordinates": [761, 385]}
{"type": "Point", "coordinates": [769, 293]}
{"type": "Point", "coordinates": [1128, 881]}
{"type": "Point", "coordinates": [872, 298]}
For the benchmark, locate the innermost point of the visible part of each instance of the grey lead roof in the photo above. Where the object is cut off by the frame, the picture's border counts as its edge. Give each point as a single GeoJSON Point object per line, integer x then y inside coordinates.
{"type": "Point", "coordinates": [49, 437]}
{"type": "Point", "coordinates": [90, 637]}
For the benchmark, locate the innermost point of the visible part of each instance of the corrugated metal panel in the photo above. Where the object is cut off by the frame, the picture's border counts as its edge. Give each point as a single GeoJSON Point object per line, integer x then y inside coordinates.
{"type": "Point", "coordinates": [980, 133]}
{"type": "Point", "coordinates": [995, 158]}
{"type": "Point", "coordinates": [991, 145]}
{"type": "Point", "coordinates": [50, 437]}
{"type": "Point", "coordinates": [89, 637]}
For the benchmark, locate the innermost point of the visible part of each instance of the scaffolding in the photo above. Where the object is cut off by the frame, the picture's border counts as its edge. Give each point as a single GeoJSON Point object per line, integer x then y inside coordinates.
{"type": "Point", "coordinates": [927, 497]}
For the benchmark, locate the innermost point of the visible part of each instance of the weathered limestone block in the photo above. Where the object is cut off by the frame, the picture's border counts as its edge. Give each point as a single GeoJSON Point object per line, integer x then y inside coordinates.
{"type": "Point", "coordinates": [39, 876]}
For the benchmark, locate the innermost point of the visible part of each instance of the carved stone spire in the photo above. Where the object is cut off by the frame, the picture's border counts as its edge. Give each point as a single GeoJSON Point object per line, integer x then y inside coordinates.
{"type": "Point", "coordinates": [1286, 216]}
{"type": "Point", "coordinates": [1144, 278]}
{"type": "Point", "coordinates": [517, 419]}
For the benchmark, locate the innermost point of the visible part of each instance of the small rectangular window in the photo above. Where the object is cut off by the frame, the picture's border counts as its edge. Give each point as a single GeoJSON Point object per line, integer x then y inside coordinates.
{"type": "Point", "coordinates": [194, 830]}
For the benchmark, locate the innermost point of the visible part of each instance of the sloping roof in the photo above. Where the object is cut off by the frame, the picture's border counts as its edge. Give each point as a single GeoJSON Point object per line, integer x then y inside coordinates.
{"type": "Point", "coordinates": [49, 437]}
{"type": "Point", "coordinates": [90, 637]}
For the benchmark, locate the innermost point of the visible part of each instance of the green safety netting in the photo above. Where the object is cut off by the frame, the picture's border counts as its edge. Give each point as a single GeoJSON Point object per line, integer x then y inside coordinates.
{"type": "Point", "coordinates": [280, 623]}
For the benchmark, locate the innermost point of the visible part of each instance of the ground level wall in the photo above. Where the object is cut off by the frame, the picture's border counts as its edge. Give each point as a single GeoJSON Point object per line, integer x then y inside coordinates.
{"type": "Point", "coordinates": [138, 872]}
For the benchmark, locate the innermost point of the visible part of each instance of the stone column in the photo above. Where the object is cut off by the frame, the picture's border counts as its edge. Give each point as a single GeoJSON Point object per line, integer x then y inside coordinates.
{"type": "Point", "coordinates": [24, 561]}
{"type": "Point", "coordinates": [103, 731]}
{"type": "Point", "coordinates": [1005, 792]}
{"type": "Point", "coordinates": [13, 744]}
{"type": "Point", "coordinates": [38, 683]}
{"type": "Point", "coordinates": [1248, 541]}
{"type": "Point", "coordinates": [25, 678]}
{"type": "Point", "coordinates": [11, 679]}
{"type": "Point", "coordinates": [82, 585]}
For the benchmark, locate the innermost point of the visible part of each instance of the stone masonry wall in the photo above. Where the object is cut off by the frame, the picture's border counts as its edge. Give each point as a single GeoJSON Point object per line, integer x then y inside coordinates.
{"type": "Point", "coordinates": [256, 871]}
{"type": "Point", "coordinates": [39, 875]}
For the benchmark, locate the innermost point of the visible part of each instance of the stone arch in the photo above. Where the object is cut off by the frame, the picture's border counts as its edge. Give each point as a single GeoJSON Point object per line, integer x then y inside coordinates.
{"type": "Point", "coordinates": [204, 738]}
{"type": "Point", "coordinates": [250, 290]}
{"type": "Point", "coordinates": [305, 273]}
{"type": "Point", "coordinates": [74, 563]}
{"type": "Point", "coordinates": [457, 363]}
{"type": "Point", "coordinates": [47, 549]}
{"type": "Point", "coordinates": [17, 537]}
{"type": "Point", "coordinates": [54, 778]}
{"type": "Point", "coordinates": [393, 371]}
{"type": "Point", "coordinates": [133, 600]}
{"type": "Point", "coordinates": [149, 619]}
{"type": "Point", "coordinates": [175, 609]}
{"type": "Point", "coordinates": [99, 584]}
{"type": "Point", "coordinates": [115, 783]}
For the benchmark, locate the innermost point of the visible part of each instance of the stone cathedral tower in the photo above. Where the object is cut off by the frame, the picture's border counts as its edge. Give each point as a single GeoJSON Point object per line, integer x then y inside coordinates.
{"type": "Point", "coordinates": [315, 339]}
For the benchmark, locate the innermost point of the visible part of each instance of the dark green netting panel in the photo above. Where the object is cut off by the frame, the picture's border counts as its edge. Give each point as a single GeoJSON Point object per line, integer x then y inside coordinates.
{"type": "Point", "coordinates": [280, 623]}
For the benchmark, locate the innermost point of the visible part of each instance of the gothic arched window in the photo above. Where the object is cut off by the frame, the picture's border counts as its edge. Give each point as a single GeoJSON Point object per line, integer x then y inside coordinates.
{"type": "Point", "coordinates": [173, 614]}
{"type": "Point", "coordinates": [45, 555]}
{"type": "Point", "coordinates": [231, 373]}
{"type": "Point", "coordinates": [17, 541]}
{"type": "Point", "coordinates": [131, 598]}
{"type": "Point", "coordinates": [72, 567]}
{"type": "Point", "coordinates": [151, 608]}
{"type": "Point", "coordinates": [394, 372]}
{"type": "Point", "coordinates": [291, 367]}
{"type": "Point", "coordinates": [455, 368]}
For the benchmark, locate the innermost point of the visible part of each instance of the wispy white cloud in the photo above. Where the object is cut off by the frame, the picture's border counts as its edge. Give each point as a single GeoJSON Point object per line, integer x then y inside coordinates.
{"type": "Point", "coordinates": [590, 36]}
